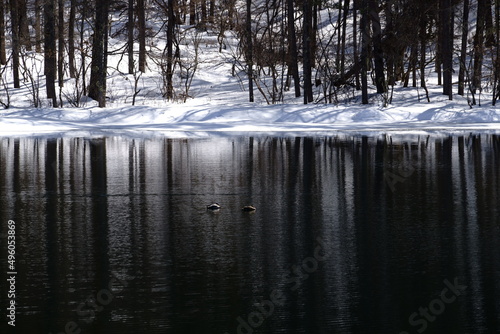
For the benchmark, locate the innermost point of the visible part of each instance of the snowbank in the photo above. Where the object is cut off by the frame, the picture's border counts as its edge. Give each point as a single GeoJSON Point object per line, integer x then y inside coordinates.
{"type": "Point", "coordinates": [245, 117]}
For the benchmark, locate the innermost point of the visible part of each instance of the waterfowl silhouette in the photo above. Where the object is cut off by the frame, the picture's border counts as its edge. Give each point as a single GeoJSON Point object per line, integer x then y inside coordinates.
{"type": "Point", "coordinates": [213, 206]}
{"type": "Point", "coordinates": [248, 208]}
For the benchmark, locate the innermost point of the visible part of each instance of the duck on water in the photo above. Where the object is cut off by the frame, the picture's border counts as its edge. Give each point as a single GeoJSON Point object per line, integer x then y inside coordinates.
{"type": "Point", "coordinates": [213, 206]}
{"type": "Point", "coordinates": [248, 208]}
{"type": "Point", "coordinates": [216, 206]}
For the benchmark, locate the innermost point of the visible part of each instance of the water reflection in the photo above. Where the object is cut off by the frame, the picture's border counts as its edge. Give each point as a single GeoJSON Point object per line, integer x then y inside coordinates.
{"type": "Point", "coordinates": [114, 236]}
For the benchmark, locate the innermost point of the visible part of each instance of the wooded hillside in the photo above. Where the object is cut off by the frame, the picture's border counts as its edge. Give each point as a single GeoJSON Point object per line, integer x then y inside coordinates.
{"type": "Point", "coordinates": [320, 50]}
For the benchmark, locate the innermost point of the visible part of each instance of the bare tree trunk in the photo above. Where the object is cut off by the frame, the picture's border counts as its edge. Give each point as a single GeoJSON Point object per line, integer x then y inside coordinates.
{"type": "Point", "coordinates": [203, 20]}
{"type": "Point", "coordinates": [170, 49]}
{"type": "Point", "coordinates": [83, 66]}
{"type": "Point", "coordinates": [24, 35]}
{"type": "Point", "coordinates": [344, 32]}
{"type": "Point", "coordinates": [71, 39]}
{"type": "Point", "coordinates": [50, 49]}
{"type": "Point", "coordinates": [130, 32]}
{"type": "Point", "coordinates": [496, 86]}
{"type": "Point", "coordinates": [423, 47]}
{"type": "Point", "coordinates": [141, 18]}
{"type": "Point", "coordinates": [378, 53]}
{"type": "Point", "coordinates": [211, 11]}
{"type": "Point", "coordinates": [249, 52]}
{"type": "Point", "coordinates": [306, 51]}
{"type": "Point", "coordinates": [3, 55]}
{"type": "Point", "coordinates": [15, 42]}
{"type": "Point", "coordinates": [355, 40]}
{"type": "Point", "coordinates": [192, 12]}
{"type": "Point", "coordinates": [60, 50]}
{"type": "Point", "coordinates": [292, 44]}
{"type": "Point", "coordinates": [446, 23]}
{"type": "Point", "coordinates": [479, 45]}
{"type": "Point", "coordinates": [463, 49]}
{"type": "Point", "coordinates": [38, 27]}
{"type": "Point", "coordinates": [365, 41]}
{"type": "Point", "coordinates": [97, 87]}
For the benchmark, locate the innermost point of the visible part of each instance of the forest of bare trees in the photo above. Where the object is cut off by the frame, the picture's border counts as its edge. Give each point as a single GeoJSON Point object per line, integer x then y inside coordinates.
{"type": "Point", "coordinates": [324, 50]}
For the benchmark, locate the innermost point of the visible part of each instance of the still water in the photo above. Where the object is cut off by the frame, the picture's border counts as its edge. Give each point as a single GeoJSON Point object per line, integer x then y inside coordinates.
{"type": "Point", "coordinates": [352, 234]}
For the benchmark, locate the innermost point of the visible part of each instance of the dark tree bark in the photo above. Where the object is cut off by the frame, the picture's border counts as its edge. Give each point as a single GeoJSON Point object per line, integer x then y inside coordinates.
{"type": "Point", "coordinates": [496, 83]}
{"type": "Point", "coordinates": [3, 55]}
{"type": "Point", "coordinates": [292, 45]}
{"type": "Point", "coordinates": [211, 11]}
{"type": "Point", "coordinates": [38, 27]}
{"type": "Point", "coordinates": [378, 52]}
{"type": "Point", "coordinates": [24, 35]}
{"type": "Point", "coordinates": [249, 53]}
{"type": "Point", "coordinates": [479, 45]}
{"type": "Point", "coordinates": [84, 7]}
{"type": "Point", "coordinates": [192, 12]}
{"type": "Point", "coordinates": [141, 20]}
{"type": "Point", "coordinates": [170, 49]}
{"type": "Point", "coordinates": [14, 17]}
{"type": "Point", "coordinates": [60, 50]}
{"type": "Point", "coordinates": [50, 56]}
{"type": "Point", "coordinates": [315, 7]}
{"type": "Point", "coordinates": [446, 22]}
{"type": "Point", "coordinates": [97, 86]}
{"type": "Point", "coordinates": [71, 39]}
{"type": "Point", "coordinates": [422, 35]}
{"type": "Point", "coordinates": [130, 32]}
{"type": "Point", "coordinates": [203, 20]}
{"type": "Point", "coordinates": [355, 40]}
{"type": "Point", "coordinates": [463, 48]}
{"type": "Point", "coordinates": [344, 32]}
{"type": "Point", "coordinates": [306, 51]}
{"type": "Point", "coordinates": [365, 41]}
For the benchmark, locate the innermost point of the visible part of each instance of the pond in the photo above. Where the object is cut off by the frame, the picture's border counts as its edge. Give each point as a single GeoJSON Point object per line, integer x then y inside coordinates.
{"type": "Point", "coordinates": [351, 234]}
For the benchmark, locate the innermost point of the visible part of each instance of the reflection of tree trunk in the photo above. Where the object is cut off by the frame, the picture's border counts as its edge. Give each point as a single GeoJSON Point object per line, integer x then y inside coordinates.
{"type": "Point", "coordinates": [100, 208]}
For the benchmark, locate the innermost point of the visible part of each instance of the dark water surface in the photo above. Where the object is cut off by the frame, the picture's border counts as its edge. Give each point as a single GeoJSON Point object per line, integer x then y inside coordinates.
{"type": "Point", "coordinates": [351, 234]}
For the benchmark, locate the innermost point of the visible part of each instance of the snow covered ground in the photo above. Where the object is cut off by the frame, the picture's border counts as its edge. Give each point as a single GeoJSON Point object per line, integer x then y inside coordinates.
{"type": "Point", "coordinates": [234, 114]}
{"type": "Point", "coordinates": [218, 104]}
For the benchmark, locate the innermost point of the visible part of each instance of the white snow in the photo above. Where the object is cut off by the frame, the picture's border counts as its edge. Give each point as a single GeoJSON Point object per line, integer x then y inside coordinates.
{"type": "Point", "coordinates": [202, 114]}
{"type": "Point", "coordinates": [218, 102]}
